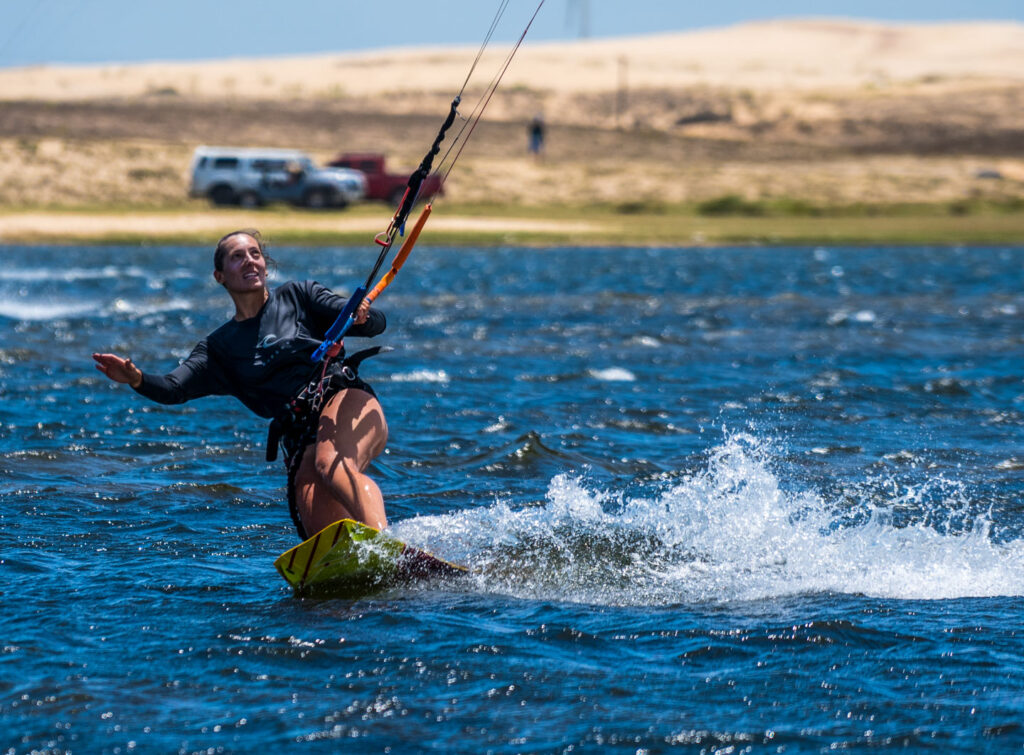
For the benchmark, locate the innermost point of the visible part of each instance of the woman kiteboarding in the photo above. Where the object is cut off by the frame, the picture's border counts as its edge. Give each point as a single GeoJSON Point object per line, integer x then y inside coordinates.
{"type": "Point", "coordinates": [262, 356]}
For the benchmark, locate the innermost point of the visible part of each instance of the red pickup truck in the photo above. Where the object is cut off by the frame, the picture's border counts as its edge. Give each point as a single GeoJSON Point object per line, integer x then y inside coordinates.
{"type": "Point", "coordinates": [380, 184]}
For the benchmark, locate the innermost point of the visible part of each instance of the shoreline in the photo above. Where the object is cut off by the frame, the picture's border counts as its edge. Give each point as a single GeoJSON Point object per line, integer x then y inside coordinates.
{"type": "Point", "coordinates": [528, 226]}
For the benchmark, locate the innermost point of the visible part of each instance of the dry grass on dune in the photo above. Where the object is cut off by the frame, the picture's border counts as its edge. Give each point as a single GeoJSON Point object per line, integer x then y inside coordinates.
{"type": "Point", "coordinates": [826, 112]}
{"type": "Point", "coordinates": [616, 167]}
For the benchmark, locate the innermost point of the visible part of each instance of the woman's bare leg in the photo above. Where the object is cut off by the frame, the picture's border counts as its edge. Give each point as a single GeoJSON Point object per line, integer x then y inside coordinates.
{"type": "Point", "coordinates": [331, 483]}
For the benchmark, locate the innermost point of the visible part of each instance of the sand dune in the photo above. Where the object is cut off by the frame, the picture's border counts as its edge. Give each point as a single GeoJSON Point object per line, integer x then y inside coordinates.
{"type": "Point", "coordinates": [822, 111]}
{"type": "Point", "coordinates": [796, 54]}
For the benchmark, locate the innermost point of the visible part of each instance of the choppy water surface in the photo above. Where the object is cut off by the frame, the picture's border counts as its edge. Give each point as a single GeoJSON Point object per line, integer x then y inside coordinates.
{"type": "Point", "coordinates": [714, 500]}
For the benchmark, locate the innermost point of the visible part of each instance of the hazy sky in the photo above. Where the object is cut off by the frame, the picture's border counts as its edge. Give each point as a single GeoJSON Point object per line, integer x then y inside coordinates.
{"type": "Point", "coordinates": [89, 31]}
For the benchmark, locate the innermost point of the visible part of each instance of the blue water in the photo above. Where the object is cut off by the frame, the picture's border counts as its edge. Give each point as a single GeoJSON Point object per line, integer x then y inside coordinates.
{"type": "Point", "coordinates": [728, 500]}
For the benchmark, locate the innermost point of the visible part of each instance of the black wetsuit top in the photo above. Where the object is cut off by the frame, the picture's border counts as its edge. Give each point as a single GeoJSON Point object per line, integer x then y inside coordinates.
{"type": "Point", "coordinates": [263, 361]}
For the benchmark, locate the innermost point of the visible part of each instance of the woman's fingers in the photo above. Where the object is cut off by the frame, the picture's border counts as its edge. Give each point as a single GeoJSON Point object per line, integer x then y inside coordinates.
{"type": "Point", "coordinates": [118, 369]}
{"type": "Point", "coordinates": [362, 312]}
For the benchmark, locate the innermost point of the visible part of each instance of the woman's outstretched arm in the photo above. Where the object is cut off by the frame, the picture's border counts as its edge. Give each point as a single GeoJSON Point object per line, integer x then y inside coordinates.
{"type": "Point", "coordinates": [193, 378]}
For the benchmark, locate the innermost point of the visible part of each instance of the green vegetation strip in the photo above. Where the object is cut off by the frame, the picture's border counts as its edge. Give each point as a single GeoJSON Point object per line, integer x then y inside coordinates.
{"type": "Point", "coordinates": [725, 221]}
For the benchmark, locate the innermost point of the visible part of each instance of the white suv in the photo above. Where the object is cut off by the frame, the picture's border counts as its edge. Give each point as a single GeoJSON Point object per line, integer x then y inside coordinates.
{"type": "Point", "coordinates": [253, 177]}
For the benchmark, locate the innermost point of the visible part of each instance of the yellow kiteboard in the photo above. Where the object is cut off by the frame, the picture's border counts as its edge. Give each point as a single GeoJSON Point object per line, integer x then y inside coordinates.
{"type": "Point", "coordinates": [348, 558]}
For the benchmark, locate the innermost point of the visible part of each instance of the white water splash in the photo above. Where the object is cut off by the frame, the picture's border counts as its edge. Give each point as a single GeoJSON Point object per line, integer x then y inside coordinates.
{"type": "Point", "coordinates": [729, 532]}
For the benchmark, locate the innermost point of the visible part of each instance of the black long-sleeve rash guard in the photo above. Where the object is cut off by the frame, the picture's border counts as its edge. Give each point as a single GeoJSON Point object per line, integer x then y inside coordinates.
{"type": "Point", "coordinates": [263, 361]}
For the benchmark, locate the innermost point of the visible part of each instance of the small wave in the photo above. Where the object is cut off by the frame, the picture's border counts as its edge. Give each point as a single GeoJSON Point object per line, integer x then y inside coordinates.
{"type": "Point", "coordinates": [860, 317]}
{"type": "Point", "coordinates": [521, 454]}
{"type": "Point", "coordinates": [41, 311]}
{"type": "Point", "coordinates": [71, 274]}
{"type": "Point", "coordinates": [146, 308]}
{"type": "Point", "coordinates": [829, 450]}
{"type": "Point", "coordinates": [430, 320]}
{"type": "Point", "coordinates": [726, 533]}
{"type": "Point", "coordinates": [948, 386]}
{"type": "Point", "coordinates": [648, 341]}
{"type": "Point", "coordinates": [500, 425]}
{"type": "Point", "coordinates": [421, 376]}
{"type": "Point", "coordinates": [902, 457]}
{"type": "Point", "coordinates": [613, 374]}
{"type": "Point", "coordinates": [38, 311]}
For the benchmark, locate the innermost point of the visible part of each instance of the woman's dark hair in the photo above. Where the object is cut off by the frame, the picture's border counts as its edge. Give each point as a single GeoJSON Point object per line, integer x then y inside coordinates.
{"type": "Point", "coordinates": [221, 251]}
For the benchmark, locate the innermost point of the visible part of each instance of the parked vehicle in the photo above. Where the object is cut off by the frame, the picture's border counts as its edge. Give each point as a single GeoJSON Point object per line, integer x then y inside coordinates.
{"type": "Point", "coordinates": [388, 187]}
{"type": "Point", "coordinates": [253, 177]}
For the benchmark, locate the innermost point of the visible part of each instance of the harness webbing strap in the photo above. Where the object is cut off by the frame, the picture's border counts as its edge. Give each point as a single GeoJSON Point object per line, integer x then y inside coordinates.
{"type": "Point", "coordinates": [299, 416]}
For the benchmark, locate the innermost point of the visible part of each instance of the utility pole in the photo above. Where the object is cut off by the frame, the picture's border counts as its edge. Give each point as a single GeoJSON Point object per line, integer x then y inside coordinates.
{"type": "Point", "coordinates": [581, 10]}
{"type": "Point", "coordinates": [622, 91]}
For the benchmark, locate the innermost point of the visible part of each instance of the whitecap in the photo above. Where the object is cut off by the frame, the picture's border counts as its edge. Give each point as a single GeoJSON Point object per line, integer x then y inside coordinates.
{"type": "Point", "coordinates": [648, 341]}
{"type": "Point", "coordinates": [864, 316]}
{"type": "Point", "coordinates": [429, 320]}
{"type": "Point", "coordinates": [500, 425]}
{"type": "Point", "coordinates": [41, 311]}
{"type": "Point", "coordinates": [128, 307]}
{"type": "Point", "coordinates": [70, 274]}
{"type": "Point", "coordinates": [613, 374]}
{"type": "Point", "coordinates": [421, 376]}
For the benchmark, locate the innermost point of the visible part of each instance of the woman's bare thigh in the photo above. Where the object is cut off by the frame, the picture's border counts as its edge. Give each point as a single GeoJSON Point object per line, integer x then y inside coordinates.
{"type": "Point", "coordinates": [352, 432]}
{"type": "Point", "coordinates": [352, 426]}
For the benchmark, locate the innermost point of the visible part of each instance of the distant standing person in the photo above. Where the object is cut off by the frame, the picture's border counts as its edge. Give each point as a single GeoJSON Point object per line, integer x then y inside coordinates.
{"type": "Point", "coordinates": [536, 135]}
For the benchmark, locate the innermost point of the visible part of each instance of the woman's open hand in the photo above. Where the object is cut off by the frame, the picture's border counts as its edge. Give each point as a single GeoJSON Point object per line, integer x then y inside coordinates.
{"type": "Point", "coordinates": [118, 369]}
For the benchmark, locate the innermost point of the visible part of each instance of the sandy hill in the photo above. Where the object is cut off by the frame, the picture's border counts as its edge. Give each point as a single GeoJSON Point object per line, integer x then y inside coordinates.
{"type": "Point", "coordinates": [777, 55]}
{"type": "Point", "coordinates": [853, 109]}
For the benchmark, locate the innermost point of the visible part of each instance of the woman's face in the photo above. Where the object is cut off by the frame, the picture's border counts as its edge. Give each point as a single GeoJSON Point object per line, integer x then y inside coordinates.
{"type": "Point", "coordinates": [245, 267]}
